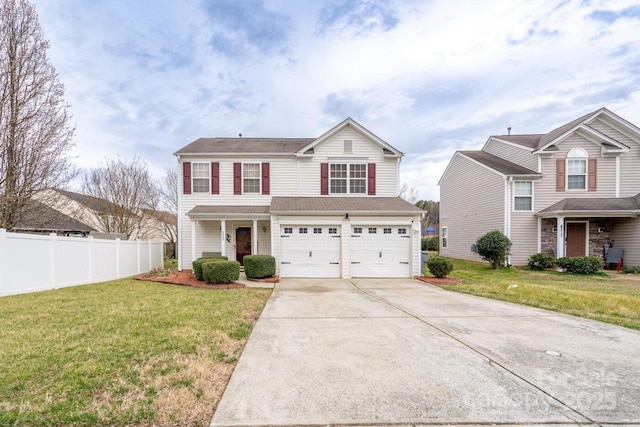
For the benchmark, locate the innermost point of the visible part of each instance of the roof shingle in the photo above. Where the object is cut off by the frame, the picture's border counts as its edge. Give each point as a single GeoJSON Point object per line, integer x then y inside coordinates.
{"type": "Point", "coordinates": [499, 164]}
{"type": "Point", "coordinates": [246, 145]}
{"type": "Point", "coordinates": [343, 205]}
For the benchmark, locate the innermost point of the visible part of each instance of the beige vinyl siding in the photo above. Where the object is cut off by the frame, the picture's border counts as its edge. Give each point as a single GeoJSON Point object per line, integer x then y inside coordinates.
{"type": "Point", "coordinates": [472, 203]}
{"type": "Point", "coordinates": [629, 162]}
{"type": "Point", "coordinates": [545, 189]}
{"type": "Point", "coordinates": [626, 234]}
{"type": "Point", "coordinates": [524, 236]}
{"type": "Point", "coordinates": [514, 154]}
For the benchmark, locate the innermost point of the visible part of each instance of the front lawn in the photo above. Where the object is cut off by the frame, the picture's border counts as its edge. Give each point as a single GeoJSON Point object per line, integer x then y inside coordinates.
{"type": "Point", "coordinates": [605, 297]}
{"type": "Point", "coordinates": [121, 352]}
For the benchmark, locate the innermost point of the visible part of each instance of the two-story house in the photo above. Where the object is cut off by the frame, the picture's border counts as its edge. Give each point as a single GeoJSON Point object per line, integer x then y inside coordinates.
{"type": "Point", "coordinates": [572, 192]}
{"type": "Point", "coordinates": [323, 207]}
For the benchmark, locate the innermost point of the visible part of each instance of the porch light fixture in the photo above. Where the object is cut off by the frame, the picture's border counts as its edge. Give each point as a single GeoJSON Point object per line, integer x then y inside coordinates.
{"type": "Point", "coordinates": [346, 216]}
{"type": "Point", "coordinates": [264, 228]}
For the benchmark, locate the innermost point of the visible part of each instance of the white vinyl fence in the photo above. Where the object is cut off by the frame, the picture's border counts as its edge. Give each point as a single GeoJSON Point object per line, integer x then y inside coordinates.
{"type": "Point", "coordinates": [32, 262]}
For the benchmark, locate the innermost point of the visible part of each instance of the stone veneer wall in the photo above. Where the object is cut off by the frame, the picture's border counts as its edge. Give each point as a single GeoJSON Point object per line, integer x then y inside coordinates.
{"type": "Point", "coordinates": [548, 235]}
{"type": "Point", "coordinates": [596, 239]}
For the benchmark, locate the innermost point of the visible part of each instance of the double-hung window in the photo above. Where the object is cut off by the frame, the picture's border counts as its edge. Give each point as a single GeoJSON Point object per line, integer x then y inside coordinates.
{"type": "Point", "coordinates": [348, 178]}
{"type": "Point", "coordinates": [251, 177]}
{"type": "Point", "coordinates": [201, 177]}
{"type": "Point", "coordinates": [445, 237]}
{"type": "Point", "coordinates": [577, 169]}
{"type": "Point", "coordinates": [522, 195]}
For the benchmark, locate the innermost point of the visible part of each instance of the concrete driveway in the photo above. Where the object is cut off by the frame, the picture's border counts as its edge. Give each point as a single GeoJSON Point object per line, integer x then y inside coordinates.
{"type": "Point", "coordinates": [404, 352]}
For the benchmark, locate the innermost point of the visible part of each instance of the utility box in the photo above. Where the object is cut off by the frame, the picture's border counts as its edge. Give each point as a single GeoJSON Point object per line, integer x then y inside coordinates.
{"type": "Point", "coordinates": [424, 256]}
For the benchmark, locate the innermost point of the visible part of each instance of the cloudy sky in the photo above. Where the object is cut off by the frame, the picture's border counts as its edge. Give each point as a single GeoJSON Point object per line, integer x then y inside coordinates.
{"type": "Point", "coordinates": [430, 77]}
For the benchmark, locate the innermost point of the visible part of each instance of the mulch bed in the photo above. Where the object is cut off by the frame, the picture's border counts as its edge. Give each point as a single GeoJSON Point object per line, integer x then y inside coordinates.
{"type": "Point", "coordinates": [186, 278]}
{"type": "Point", "coordinates": [435, 281]}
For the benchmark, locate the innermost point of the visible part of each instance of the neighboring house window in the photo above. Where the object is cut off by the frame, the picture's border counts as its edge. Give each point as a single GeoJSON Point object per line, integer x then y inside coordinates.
{"type": "Point", "coordinates": [522, 195]}
{"type": "Point", "coordinates": [201, 179]}
{"type": "Point", "coordinates": [348, 178]}
{"type": "Point", "coordinates": [251, 177]}
{"type": "Point", "coordinates": [577, 169]}
{"type": "Point", "coordinates": [445, 237]}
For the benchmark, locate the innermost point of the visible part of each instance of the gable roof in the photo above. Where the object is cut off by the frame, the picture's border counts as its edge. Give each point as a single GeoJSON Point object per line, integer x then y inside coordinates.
{"type": "Point", "coordinates": [499, 164]}
{"type": "Point", "coordinates": [91, 202]}
{"type": "Point", "coordinates": [584, 206]}
{"type": "Point", "coordinates": [39, 217]}
{"type": "Point", "coordinates": [283, 146]}
{"type": "Point", "coordinates": [343, 205]}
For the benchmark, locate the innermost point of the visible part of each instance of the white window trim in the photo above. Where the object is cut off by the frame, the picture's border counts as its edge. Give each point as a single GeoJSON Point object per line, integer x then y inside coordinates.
{"type": "Point", "coordinates": [242, 177]}
{"type": "Point", "coordinates": [348, 164]}
{"type": "Point", "coordinates": [445, 235]}
{"type": "Point", "coordinates": [513, 204]}
{"type": "Point", "coordinates": [577, 153]}
{"type": "Point", "coordinates": [193, 177]}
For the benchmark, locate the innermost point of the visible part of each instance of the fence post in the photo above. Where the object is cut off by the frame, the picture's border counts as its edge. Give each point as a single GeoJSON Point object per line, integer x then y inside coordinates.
{"type": "Point", "coordinates": [3, 257]}
{"type": "Point", "coordinates": [117, 258]}
{"type": "Point", "coordinates": [149, 245]}
{"type": "Point", "coordinates": [52, 258]}
{"type": "Point", "coordinates": [90, 240]}
{"type": "Point", "coordinates": [139, 256]}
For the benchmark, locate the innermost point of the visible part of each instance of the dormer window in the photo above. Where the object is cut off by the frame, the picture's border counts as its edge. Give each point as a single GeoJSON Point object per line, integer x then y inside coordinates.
{"type": "Point", "coordinates": [577, 169]}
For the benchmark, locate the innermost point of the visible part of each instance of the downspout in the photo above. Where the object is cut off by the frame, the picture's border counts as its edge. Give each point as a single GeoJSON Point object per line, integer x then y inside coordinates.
{"type": "Point", "coordinates": [508, 182]}
{"type": "Point", "coordinates": [398, 176]}
{"type": "Point", "coordinates": [179, 216]}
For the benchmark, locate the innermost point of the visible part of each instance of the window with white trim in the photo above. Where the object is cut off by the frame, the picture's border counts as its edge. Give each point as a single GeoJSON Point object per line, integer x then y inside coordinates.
{"type": "Point", "coordinates": [373, 230]}
{"type": "Point", "coordinates": [288, 230]}
{"type": "Point", "coordinates": [445, 237]}
{"type": "Point", "coordinates": [577, 169]}
{"type": "Point", "coordinates": [302, 230]}
{"type": "Point", "coordinates": [357, 230]}
{"type": "Point", "coordinates": [402, 231]}
{"type": "Point", "coordinates": [386, 230]}
{"type": "Point", "coordinates": [317, 230]}
{"type": "Point", "coordinates": [333, 230]}
{"type": "Point", "coordinates": [251, 178]}
{"type": "Point", "coordinates": [348, 178]}
{"type": "Point", "coordinates": [200, 177]}
{"type": "Point", "coordinates": [522, 195]}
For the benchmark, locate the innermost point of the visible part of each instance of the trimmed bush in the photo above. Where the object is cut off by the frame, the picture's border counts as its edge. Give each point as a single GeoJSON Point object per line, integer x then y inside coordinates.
{"type": "Point", "coordinates": [494, 247]}
{"type": "Point", "coordinates": [439, 266]}
{"type": "Point", "coordinates": [430, 243]}
{"type": "Point", "coordinates": [581, 264]}
{"type": "Point", "coordinates": [541, 261]}
{"type": "Point", "coordinates": [259, 266]}
{"type": "Point", "coordinates": [197, 265]}
{"type": "Point", "coordinates": [220, 271]}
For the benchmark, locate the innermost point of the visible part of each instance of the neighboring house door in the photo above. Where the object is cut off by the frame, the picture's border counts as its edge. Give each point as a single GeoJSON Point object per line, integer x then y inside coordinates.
{"type": "Point", "coordinates": [243, 243]}
{"type": "Point", "coordinates": [576, 239]}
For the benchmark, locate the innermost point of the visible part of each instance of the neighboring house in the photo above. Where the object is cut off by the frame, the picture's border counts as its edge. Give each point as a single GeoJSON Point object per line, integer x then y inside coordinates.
{"type": "Point", "coordinates": [40, 218]}
{"type": "Point", "coordinates": [323, 207]}
{"type": "Point", "coordinates": [573, 191]}
{"type": "Point", "coordinates": [96, 212]}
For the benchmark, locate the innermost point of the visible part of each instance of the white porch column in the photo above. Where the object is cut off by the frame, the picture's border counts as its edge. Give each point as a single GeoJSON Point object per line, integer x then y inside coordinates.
{"type": "Point", "coordinates": [193, 240]}
{"type": "Point", "coordinates": [254, 237]}
{"type": "Point", "coordinates": [560, 237]}
{"type": "Point", "coordinates": [223, 237]}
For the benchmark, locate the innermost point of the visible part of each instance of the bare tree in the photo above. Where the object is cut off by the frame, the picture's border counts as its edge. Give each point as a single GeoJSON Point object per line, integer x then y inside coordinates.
{"type": "Point", "coordinates": [408, 194]}
{"type": "Point", "coordinates": [125, 193]}
{"type": "Point", "coordinates": [169, 203]}
{"type": "Point", "coordinates": [431, 214]}
{"type": "Point", "coordinates": [35, 134]}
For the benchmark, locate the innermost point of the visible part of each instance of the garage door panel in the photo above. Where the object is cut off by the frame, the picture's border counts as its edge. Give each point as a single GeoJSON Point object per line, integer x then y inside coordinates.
{"type": "Point", "coordinates": [380, 251]}
{"type": "Point", "coordinates": [310, 251]}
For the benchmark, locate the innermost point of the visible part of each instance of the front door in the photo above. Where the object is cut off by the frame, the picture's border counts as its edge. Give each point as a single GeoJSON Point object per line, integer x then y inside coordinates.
{"type": "Point", "coordinates": [576, 239]}
{"type": "Point", "coordinates": [243, 243]}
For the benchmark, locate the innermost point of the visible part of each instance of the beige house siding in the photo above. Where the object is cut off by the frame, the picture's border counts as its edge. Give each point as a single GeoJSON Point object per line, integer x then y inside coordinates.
{"type": "Point", "coordinates": [512, 153]}
{"type": "Point", "coordinates": [524, 236]}
{"type": "Point", "coordinates": [626, 235]}
{"type": "Point", "coordinates": [472, 202]}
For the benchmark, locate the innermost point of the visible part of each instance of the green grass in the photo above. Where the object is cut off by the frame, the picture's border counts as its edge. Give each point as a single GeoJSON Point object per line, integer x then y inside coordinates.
{"type": "Point", "coordinates": [170, 263]}
{"type": "Point", "coordinates": [604, 297]}
{"type": "Point", "coordinates": [121, 352]}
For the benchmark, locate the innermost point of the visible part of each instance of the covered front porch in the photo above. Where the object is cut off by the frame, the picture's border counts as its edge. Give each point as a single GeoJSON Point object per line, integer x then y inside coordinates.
{"type": "Point", "coordinates": [231, 231]}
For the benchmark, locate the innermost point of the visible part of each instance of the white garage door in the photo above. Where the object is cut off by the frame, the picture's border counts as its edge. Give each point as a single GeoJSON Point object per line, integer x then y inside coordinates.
{"type": "Point", "coordinates": [380, 251]}
{"type": "Point", "coordinates": [310, 251]}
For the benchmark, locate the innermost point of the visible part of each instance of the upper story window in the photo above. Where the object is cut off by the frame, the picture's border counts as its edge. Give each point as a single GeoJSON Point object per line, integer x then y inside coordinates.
{"type": "Point", "coordinates": [445, 237]}
{"type": "Point", "coordinates": [577, 169]}
{"type": "Point", "coordinates": [522, 195]}
{"type": "Point", "coordinates": [251, 177]}
{"type": "Point", "coordinates": [348, 178]}
{"type": "Point", "coordinates": [201, 178]}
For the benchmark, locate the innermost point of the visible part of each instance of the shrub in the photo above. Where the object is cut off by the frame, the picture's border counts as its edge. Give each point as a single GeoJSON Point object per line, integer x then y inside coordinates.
{"type": "Point", "coordinates": [197, 265]}
{"type": "Point", "coordinates": [259, 266]}
{"type": "Point", "coordinates": [631, 270]}
{"type": "Point", "coordinates": [541, 261]}
{"type": "Point", "coordinates": [494, 247]}
{"type": "Point", "coordinates": [220, 271]}
{"type": "Point", "coordinates": [430, 243]}
{"type": "Point", "coordinates": [439, 266]}
{"type": "Point", "coordinates": [580, 265]}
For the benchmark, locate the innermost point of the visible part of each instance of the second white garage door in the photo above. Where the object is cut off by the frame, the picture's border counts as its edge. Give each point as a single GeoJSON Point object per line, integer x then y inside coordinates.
{"type": "Point", "coordinates": [380, 251]}
{"type": "Point", "coordinates": [310, 251]}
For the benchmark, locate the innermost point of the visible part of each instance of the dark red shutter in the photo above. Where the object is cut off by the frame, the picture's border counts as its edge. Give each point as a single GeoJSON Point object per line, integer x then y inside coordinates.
{"type": "Point", "coordinates": [186, 177]}
{"type": "Point", "coordinates": [237, 178]}
{"type": "Point", "coordinates": [215, 178]}
{"type": "Point", "coordinates": [324, 179]}
{"type": "Point", "coordinates": [265, 178]}
{"type": "Point", "coordinates": [560, 175]}
{"type": "Point", "coordinates": [593, 174]}
{"type": "Point", "coordinates": [371, 179]}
